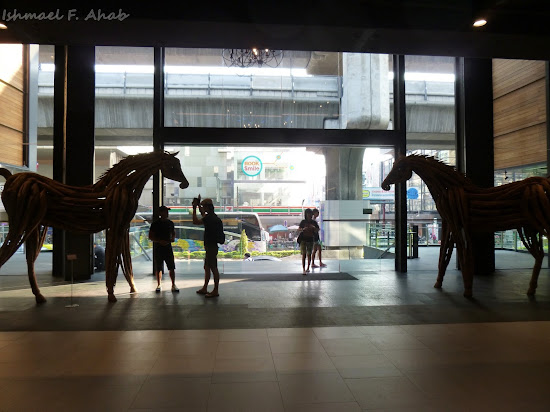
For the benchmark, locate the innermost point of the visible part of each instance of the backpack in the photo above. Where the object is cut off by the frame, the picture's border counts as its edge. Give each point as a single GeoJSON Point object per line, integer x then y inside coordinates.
{"type": "Point", "coordinates": [220, 236]}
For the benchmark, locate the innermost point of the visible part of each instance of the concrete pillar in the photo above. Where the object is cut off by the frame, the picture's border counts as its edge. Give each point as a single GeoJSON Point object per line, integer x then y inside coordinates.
{"type": "Point", "coordinates": [365, 105]}
{"type": "Point", "coordinates": [365, 97]}
{"type": "Point", "coordinates": [344, 173]}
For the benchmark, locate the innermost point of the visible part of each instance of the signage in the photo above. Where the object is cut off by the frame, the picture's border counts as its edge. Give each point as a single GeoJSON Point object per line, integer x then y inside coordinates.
{"type": "Point", "coordinates": [378, 194]}
{"type": "Point", "coordinates": [252, 166]}
{"type": "Point", "coordinates": [412, 193]}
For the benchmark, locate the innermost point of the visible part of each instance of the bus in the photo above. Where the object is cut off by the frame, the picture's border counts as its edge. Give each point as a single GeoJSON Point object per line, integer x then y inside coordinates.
{"type": "Point", "coordinates": [190, 236]}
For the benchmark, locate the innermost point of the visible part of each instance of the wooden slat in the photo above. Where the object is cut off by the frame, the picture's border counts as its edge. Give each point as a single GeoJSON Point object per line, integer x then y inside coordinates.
{"type": "Point", "coordinates": [522, 108]}
{"type": "Point", "coordinates": [526, 146]}
{"type": "Point", "coordinates": [11, 67]}
{"type": "Point", "coordinates": [12, 146]}
{"type": "Point", "coordinates": [510, 75]}
{"type": "Point", "coordinates": [11, 107]}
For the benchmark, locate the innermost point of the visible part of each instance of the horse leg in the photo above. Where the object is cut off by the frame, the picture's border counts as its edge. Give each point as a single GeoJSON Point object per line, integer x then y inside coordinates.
{"type": "Point", "coordinates": [537, 251]}
{"type": "Point", "coordinates": [126, 260]}
{"type": "Point", "coordinates": [111, 267]}
{"type": "Point", "coordinates": [467, 265]}
{"type": "Point", "coordinates": [33, 244]}
{"type": "Point", "coordinates": [10, 245]}
{"type": "Point", "coordinates": [465, 258]}
{"type": "Point", "coordinates": [445, 253]}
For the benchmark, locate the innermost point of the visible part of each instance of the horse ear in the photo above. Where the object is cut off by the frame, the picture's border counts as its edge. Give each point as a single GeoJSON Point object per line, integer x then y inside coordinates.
{"type": "Point", "coordinates": [175, 154]}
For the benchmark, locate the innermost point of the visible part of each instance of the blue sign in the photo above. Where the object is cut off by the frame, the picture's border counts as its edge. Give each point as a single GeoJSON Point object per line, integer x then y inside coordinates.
{"type": "Point", "coordinates": [412, 193]}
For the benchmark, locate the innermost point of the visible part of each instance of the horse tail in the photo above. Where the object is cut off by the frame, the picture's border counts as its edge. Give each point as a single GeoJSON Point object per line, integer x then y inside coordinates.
{"type": "Point", "coordinates": [5, 173]}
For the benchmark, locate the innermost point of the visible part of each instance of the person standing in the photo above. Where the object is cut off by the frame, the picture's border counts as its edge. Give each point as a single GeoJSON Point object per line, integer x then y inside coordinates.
{"type": "Point", "coordinates": [308, 227]}
{"type": "Point", "coordinates": [162, 234]}
{"type": "Point", "coordinates": [213, 227]}
{"type": "Point", "coordinates": [317, 244]}
{"type": "Point", "coordinates": [99, 257]}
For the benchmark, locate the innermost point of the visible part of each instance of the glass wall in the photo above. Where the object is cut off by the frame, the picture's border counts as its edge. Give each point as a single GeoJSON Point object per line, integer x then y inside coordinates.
{"type": "Point", "coordinates": [13, 90]}
{"type": "Point", "coordinates": [430, 118]}
{"type": "Point", "coordinates": [44, 147]}
{"type": "Point", "coordinates": [34, 146]}
{"type": "Point", "coordinates": [294, 89]}
{"type": "Point", "coordinates": [124, 120]}
{"type": "Point", "coordinates": [262, 193]}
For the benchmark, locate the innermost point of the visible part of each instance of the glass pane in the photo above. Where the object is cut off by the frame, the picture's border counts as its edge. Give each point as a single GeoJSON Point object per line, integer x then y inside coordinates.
{"type": "Point", "coordinates": [295, 89]}
{"type": "Point", "coordinates": [39, 139]}
{"type": "Point", "coordinates": [124, 121]}
{"type": "Point", "coordinates": [262, 194]}
{"type": "Point", "coordinates": [12, 99]}
{"type": "Point", "coordinates": [430, 110]}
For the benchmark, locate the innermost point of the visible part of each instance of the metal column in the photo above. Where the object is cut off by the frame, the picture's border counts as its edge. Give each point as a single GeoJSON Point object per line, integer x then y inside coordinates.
{"type": "Point", "coordinates": [400, 125]}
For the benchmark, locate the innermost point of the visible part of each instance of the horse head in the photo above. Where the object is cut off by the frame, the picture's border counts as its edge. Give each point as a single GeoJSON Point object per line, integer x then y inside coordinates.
{"type": "Point", "coordinates": [401, 172]}
{"type": "Point", "coordinates": [171, 169]}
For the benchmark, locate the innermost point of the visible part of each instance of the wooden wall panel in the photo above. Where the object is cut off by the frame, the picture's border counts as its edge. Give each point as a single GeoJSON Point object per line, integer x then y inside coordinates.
{"type": "Point", "coordinates": [523, 147]}
{"type": "Point", "coordinates": [12, 103]}
{"type": "Point", "coordinates": [12, 146]}
{"type": "Point", "coordinates": [519, 110]}
{"type": "Point", "coordinates": [524, 107]}
{"type": "Point", "coordinates": [11, 65]}
{"type": "Point", "coordinates": [510, 75]}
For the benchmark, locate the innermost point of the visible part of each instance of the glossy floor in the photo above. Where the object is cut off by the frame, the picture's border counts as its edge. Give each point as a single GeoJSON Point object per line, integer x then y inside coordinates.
{"type": "Point", "coordinates": [382, 342]}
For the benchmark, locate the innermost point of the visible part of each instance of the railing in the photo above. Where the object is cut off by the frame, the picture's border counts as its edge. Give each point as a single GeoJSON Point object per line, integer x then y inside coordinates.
{"type": "Point", "coordinates": [510, 240]}
{"type": "Point", "coordinates": [382, 236]}
{"type": "Point", "coordinates": [181, 85]}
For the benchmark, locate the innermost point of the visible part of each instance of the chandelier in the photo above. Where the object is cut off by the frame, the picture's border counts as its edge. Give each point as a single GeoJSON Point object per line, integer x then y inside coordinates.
{"type": "Point", "coordinates": [244, 58]}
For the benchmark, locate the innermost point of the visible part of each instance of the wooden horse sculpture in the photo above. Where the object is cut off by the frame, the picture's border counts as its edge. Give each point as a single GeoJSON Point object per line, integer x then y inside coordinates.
{"type": "Point", "coordinates": [466, 209]}
{"type": "Point", "coordinates": [34, 202]}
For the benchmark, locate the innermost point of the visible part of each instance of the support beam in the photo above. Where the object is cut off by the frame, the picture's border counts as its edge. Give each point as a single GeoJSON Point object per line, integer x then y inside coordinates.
{"type": "Point", "coordinates": [475, 154]}
{"type": "Point", "coordinates": [400, 125]}
{"type": "Point", "coordinates": [547, 72]}
{"type": "Point", "coordinates": [74, 102]}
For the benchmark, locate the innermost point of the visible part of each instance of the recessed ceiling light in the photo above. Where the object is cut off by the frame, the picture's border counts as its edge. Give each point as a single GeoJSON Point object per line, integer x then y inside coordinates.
{"type": "Point", "coordinates": [480, 22]}
{"type": "Point", "coordinates": [3, 26]}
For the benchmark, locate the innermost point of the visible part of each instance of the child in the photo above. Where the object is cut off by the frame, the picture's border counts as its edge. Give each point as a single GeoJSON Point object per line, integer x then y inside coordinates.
{"type": "Point", "coordinates": [317, 244]}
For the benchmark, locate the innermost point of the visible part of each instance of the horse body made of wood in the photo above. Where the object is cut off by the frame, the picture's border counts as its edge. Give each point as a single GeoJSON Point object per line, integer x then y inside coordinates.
{"type": "Point", "coordinates": [466, 208]}
{"type": "Point", "coordinates": [34, 202]}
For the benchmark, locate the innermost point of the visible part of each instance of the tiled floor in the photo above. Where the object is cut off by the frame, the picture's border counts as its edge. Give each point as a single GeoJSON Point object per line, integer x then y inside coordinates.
{"type": "Point", "coordinates": [382, 342]}
{"type": "Point", "coordinates": [444, 367]}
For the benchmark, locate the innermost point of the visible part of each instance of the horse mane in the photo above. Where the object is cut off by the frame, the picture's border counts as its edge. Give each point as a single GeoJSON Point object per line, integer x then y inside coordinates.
{"type": "Point", "coordinates": [443, 168]}
{"type": "Point", "coordinates": [128, 164]}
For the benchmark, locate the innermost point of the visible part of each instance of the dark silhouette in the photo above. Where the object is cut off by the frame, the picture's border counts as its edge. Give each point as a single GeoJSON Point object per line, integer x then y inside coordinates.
{"type": "Point", "coordinates": [317, 244]}
{"type": "Point", "coordinates": [213, 227]}
{"type": "Point", "coordinates": [162, 234]}
{"type": "Point", "coordinates": [308, 229]}
{"type": "Point", "coordinates": [99, 258]}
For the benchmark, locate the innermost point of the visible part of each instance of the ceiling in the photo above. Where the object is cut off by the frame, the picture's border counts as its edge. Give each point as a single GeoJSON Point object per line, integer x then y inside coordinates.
{"type": "Point", "coordinates": [515, 29]}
